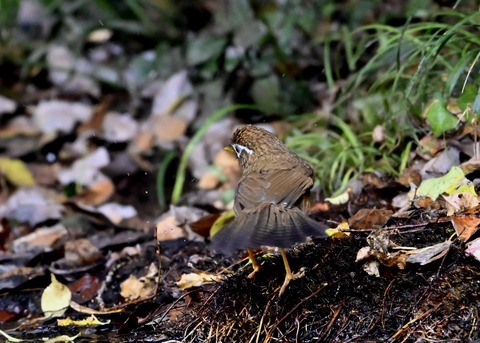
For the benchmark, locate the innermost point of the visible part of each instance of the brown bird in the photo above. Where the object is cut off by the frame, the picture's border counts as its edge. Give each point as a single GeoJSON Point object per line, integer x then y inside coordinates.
{"type": "Point", "coordinates": [271, 198]}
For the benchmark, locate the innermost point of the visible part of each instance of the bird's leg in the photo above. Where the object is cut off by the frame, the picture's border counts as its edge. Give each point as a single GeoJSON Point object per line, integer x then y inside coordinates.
{"type": "Point", "coordinates": [255, 265]}
{"type": "Point", "coordinates": [289, 275]}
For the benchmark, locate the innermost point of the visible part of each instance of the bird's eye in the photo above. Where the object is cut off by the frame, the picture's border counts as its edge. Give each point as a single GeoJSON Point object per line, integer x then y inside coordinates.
{"type": "Point", "coordinates": [241, 148]}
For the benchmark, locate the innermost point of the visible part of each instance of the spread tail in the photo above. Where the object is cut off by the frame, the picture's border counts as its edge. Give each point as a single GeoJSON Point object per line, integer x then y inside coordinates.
{"type": "Point", "coordinates": [267, 224]}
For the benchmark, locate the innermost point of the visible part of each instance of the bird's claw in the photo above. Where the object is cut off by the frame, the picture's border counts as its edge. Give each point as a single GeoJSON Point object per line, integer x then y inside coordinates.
{"type": "Point", "coordinates": [289, 277]}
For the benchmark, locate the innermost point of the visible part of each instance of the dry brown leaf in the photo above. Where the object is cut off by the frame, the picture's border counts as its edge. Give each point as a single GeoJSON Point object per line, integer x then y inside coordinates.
{"type": "Point", "coordinates": [167, 229]}
{"type": "Point", "coordinates": [430, 145]}
{"type": "Point", "coordinates": [135, 288]}
{"type": "Point", "coordinates": [99, 112]}
{"type": "Point", "coordinates": [204, 224]}
{"type": "Point", "coordinates": [19, 126]}
{"type": "Point", "coordinates": [44, 174]}
{"type": "Point", "coordinates": [426, 203]}
{"type": "Point", "coordinates": [168, 128]}
{"type": "Point", "coordinates": [81, 252]}
{"type": "Point", "coordinates": [44, 238]}
{"type": "Point", "coordinates": [209, 180]}
{"type": "Point", "coordinates": [369, 218]}
{"type": "Point", "coordinates": [97, 193]}
{"type": "Point", "coordinates": [142, 142]}
{"type": "Point", "coordinates": [470, 166]}
{"type": "Point", "coordinates": [465, 225]}
{"type": "Point", "coordinates": [88, 310]}
{"type": "Point", "coordinates": [410, 176]}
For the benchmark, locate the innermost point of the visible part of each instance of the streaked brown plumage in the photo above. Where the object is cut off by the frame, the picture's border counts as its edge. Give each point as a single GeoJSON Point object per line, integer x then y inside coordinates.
{"type": "Point", "coordinates": [271, 197]}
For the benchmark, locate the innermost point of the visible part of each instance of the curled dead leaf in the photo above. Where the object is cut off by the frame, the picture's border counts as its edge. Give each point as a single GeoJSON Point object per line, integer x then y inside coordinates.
{"type": "Point", "coordinates": [196, 280]}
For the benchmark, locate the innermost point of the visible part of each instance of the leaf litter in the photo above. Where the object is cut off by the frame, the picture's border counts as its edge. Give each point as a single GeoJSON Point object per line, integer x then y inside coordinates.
{"type": "Point", "coordinates": [397, 267]}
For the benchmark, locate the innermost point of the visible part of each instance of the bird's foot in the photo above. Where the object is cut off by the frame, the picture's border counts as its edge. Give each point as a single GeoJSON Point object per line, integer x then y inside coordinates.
{"type": "Point", "coordinates": [289, 277]}
{"type": "Point", "coordinates": [256, 269]}
{"type": "Point", "coordinates": [255, 265]}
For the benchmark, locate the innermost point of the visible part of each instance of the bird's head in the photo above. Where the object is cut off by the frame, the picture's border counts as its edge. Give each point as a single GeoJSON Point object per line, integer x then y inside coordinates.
{"type": "Point", "coordinates": [249, 143]}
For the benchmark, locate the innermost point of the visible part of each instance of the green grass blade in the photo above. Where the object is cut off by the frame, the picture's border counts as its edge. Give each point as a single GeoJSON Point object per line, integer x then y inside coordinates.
{"type": "Point", "coordinates": [182, 168]}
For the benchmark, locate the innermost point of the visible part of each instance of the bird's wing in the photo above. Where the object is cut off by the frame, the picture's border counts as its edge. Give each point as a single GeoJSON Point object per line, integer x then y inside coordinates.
{"type": "Point", "coordinates": [284, 186]}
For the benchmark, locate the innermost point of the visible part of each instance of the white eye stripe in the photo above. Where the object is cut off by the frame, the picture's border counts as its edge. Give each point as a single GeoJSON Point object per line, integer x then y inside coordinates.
{"type": "Point", "coordinates": [240, 148]}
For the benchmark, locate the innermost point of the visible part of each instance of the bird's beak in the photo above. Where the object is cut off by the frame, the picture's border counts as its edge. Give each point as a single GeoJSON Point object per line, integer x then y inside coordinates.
{"type": "Point", "coordinates": [229, 149]}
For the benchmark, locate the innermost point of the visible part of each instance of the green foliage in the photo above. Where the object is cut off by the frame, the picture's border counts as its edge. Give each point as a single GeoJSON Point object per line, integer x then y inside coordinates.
{"type": "Point", "coordinates": [381, 66]}
{"type": "Point", "coordinates": [440, 119]}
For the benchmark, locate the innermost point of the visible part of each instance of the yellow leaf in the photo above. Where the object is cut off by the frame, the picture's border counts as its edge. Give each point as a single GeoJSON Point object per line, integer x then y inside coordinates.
{"type": "Point", "coordinates": [196, 280]}
{"type": "Point", "coordinates": [55, 298]}
{"type": "Point", "coordinates": [16, 172]}
{"type": "Point", "coordinates": [90, 321]}
{"type": "Point", "coordinates": [221, 222]}
{"type": "Point", "coordinates": [451, 183]}
{"type": "Point", "coordinates": [62, 338]}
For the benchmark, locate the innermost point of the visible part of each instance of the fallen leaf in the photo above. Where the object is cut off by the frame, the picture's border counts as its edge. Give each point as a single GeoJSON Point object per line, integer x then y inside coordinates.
{"type": "Point", "coordinates": [470, 166]}
{"type": "Point", "coordinates": [72, 74]}
{"type": "Point", "coordinates": [465, 225]}
{"type": "Point", "coordinates": [453, 182]}
{"type": "Point", "coordinates": [88, 310]}
{"type": "Point", "coordinates": [55, 298]}
{"type": "Point", "coordinates": [338, 232]}
{"type": "Point", "coordinates": [90, 321]}
{"type": "Point", "coordinates": [85, 288]}
{"type": "Point", "coordinates": [56, 115]}
{"type": "Point", "coordinates": [196, 280]}
{"type": "Point", "coordinates": [81, 252]}
{"type": "Point", "coordinates": [221, 222]}
{"type": "Point", "coordinates": [167, 128]}
{"type": "Point", "coordinates": [460, 202]}
{"type": "Point", "coordinates": [369, 219]}
{"type": "Point", "coordinates": [473, 249]}
{"type": "Point", "coordinates": [116, 212]}
{"type": "Point", "coordinates": [42, 238]}
{"type": "Point", "coordinates": [209, 180]}
{"type": "Point", "coordinates": [167, 229]}
{"type": "Point", "coordinates": [32, 205]}
{"type": "Point", "coordinates": [429, 254]}
{"type": "Point", "coordinates": [371, 268]}
{"type": "Point", "coordinates": [85, 171]}
{"type": "Point", "coordinates": [441, 164]}
{"type": "Point", "coordinates": [98, 192]}
{"type": "Point", "coordinates": [135, 288]}
{"type": "Point", "coordinates": [204, 224]}
{"type": "Point", "coordinates": [44, 174]}
{"type": "Point", "coordinates": [119, 127]}
{"type": "Point", "coordinates": [16, 172]}
{"type": "Point", "coordinates": [61, 338]}
{"type": "Point", "coordinates": [431, 145]}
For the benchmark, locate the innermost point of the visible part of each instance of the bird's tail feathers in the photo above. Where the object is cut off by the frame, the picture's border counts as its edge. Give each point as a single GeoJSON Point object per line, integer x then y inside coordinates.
{"type": "Point", "coordinates": [267, 224]}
